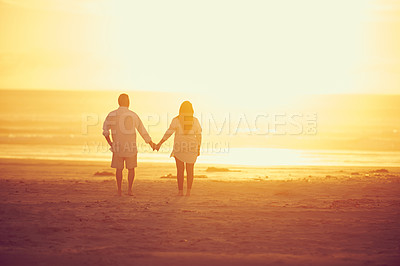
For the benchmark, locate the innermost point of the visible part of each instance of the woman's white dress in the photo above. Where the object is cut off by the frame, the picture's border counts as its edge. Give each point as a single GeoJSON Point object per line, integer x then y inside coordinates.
{"type": "Point", "coordinates": [185, 145]}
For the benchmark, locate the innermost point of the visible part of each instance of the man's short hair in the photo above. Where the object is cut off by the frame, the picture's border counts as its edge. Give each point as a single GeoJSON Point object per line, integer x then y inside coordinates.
{"type": "Point", "coordinates": [123, 100]}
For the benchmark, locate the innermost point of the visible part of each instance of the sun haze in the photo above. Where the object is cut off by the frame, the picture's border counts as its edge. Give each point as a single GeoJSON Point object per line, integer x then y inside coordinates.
{"type": "Point", "coordinates": [278, 120]}
{"type": "Point", "coordinates": [268, 48]}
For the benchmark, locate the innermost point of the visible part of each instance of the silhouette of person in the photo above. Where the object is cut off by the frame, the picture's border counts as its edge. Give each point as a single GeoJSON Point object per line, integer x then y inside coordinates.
{"type": "Point", "coordinates": [187, 144]}
{"type": "Point", "coordinates": [123, 124]}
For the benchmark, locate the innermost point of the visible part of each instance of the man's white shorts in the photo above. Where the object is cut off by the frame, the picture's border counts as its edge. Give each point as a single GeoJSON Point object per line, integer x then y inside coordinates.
{"type": "Point", "coordinates": [118, 162]}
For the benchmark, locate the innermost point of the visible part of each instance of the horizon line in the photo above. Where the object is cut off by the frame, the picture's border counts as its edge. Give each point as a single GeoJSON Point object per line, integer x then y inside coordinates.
{"type": "Point", "coordinates": [178, 92]}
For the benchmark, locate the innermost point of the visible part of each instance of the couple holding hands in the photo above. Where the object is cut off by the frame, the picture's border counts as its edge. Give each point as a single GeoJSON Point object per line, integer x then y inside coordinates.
{"type": "Point", "coordinates": [124, 123]}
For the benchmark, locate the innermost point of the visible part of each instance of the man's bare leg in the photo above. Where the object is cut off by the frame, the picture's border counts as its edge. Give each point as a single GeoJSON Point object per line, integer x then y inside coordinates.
{"type": "Point", "coordinates": [118, 175]}
{"type": "Point", "coordinates": [131, 177]}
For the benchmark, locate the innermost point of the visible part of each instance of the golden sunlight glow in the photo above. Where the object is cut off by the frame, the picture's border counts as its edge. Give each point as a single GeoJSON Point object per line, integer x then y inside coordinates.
{"type": "Point", "coordinates": [267, 48]}
{"type": "Point", "coordinates": [277, 120]}
{"type": "Point", "coordinates": [250, 60]}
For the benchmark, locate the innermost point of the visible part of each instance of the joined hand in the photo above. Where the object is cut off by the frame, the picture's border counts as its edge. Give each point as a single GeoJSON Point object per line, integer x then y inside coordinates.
{"type": "Point", "coordinates": [158, 146]}
{"type": "Point", "coordinates": [152, 145]}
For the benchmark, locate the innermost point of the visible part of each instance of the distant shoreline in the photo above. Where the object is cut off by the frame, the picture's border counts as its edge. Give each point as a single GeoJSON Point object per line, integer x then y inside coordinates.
{"type": "Point", "coordinates": [71, 162]}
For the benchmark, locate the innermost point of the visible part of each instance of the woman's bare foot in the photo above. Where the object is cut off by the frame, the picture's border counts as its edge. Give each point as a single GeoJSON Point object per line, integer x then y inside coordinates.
{"type": "Point", "coordinates": [130, 193]}
{"type": "Point", "coordinates": [180, 193]}
{"type": "Point", "coordinates": [188, 192]}
{"type": "Point", "coordinates": [119, 193]}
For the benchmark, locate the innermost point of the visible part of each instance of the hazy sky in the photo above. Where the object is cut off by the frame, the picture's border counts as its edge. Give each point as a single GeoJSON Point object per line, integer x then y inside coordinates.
{"type": "Point", "coordinates": [256, 47]}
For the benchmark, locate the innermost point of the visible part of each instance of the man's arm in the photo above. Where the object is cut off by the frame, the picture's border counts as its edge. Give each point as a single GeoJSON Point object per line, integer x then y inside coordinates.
{"type": "Point", "coordinates": [143, 132]}
{"type": "Point", "coordinates": [106, 130]}
{"type": "Point", "coordinates": [108, 140]}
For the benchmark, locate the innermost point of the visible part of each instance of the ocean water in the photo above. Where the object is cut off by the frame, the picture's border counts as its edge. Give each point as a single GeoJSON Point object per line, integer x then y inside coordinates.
{"type": "Point", "coordinates": [66, 125]}
{"type": "Point", "coordinates": [257, 157]}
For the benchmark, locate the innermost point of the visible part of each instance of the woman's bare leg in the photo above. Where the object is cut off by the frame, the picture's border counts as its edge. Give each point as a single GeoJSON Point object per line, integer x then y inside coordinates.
{"type": "Point", "coordinates": [190, 175]}
{"type": "Point", "coordinates": [180, 167]}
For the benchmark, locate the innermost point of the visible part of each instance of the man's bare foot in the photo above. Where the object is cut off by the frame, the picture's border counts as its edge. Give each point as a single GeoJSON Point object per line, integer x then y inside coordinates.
{"type": "Point", "coordinates": [188, 193]}
{"type": "Point", "coordinates": [130, 193]}
{"type": "Point", "coordinates": [180, 193]}
{"type": "Point", "coordinates": [119, 193]}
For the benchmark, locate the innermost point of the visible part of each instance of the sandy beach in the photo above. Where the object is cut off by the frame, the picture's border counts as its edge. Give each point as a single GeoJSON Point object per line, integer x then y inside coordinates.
{"type": "Point", "coordinates": [60, 213]}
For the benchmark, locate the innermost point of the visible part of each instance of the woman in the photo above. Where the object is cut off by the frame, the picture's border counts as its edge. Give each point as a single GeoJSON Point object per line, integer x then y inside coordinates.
{"type": "Point", "coordinates": [187, 143]}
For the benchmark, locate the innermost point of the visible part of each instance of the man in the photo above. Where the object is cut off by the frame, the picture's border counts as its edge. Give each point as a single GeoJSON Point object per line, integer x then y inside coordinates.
{"type": "Point", "coordinates": [123, 124]}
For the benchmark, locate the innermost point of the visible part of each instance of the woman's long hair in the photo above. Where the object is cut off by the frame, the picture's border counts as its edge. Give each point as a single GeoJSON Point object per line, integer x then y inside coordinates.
{"type": "Point", "coordinates": [186, 116]}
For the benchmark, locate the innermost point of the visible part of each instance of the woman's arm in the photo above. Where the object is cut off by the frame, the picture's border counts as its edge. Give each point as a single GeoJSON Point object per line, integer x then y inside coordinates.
{"type": "Point", "coordinates": [198, 138]}
{"type": "Point", "coordinates": [167, 134]}
{"type": "Point", "coordinates": [164, 139]}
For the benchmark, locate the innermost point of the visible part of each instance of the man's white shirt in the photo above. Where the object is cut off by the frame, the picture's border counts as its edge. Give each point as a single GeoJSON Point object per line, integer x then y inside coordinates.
{"type": "Point", "coordinates": [123, 124]}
